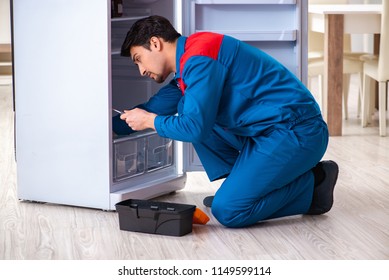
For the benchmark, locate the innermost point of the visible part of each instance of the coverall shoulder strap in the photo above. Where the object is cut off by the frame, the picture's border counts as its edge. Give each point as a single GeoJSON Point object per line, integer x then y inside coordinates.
{"type": "Point", "coordinates": [203, 44]}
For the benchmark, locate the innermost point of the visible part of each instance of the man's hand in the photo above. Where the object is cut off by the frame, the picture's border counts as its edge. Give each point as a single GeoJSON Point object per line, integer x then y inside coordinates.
{"type": "Point", "coordinates": [138, 119]}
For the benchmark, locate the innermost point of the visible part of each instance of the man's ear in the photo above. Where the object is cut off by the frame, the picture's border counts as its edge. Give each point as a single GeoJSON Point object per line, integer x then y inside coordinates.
{"type": "Point", "coordinates": [155, 43]}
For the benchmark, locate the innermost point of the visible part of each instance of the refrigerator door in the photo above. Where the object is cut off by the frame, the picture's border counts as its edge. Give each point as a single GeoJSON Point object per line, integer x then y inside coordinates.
{"type": "Point", "coordinates": [278, 27]}
{"type": "Point", "coordinates": [61, 83]}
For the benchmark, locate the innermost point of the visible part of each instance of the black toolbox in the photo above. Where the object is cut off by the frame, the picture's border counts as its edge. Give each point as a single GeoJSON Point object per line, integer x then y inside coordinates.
{"type": "Point", "coordinates": [157, 217]}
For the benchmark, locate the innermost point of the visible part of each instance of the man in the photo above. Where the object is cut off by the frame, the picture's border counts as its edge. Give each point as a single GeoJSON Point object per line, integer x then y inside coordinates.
{"type": "Point", "coordinates": [250, 120]}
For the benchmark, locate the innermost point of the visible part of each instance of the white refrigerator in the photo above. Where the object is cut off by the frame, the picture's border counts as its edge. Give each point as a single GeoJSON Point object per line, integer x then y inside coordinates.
{"type": "Point", "coordinates": [68, 75]}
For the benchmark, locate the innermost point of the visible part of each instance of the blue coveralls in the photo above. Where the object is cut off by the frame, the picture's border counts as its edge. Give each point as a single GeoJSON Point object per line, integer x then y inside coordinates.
{"type": "Point", "coordinates": [250, 120]}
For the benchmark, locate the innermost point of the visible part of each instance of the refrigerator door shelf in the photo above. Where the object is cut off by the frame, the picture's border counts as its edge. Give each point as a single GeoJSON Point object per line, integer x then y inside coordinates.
{"type": "Point", "coordinates": [287, 35]}
{"type": "Point", "coordinates": [242, 2]}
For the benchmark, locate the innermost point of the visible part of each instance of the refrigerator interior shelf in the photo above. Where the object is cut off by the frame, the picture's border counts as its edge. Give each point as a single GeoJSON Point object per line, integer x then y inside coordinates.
{"type": "Point", "coordinates": [166, 183]}
{"type": "Point", "coordinates": [132, 14]}
{"type": "Point", "coordinates": [141, 153]}
{"type": "Point", "coordinates": [127, 18]}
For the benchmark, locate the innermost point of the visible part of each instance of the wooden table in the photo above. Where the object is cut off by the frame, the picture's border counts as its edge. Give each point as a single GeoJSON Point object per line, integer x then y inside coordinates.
{"type": "Point", "coordinates": [5, 48]}
{"type": "Point", "coordinates": [334, 21]}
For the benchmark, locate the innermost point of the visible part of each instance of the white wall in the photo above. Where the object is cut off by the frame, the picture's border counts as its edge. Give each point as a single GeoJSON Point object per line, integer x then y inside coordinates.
{"type": "Point", "coordinates": [5, 25]}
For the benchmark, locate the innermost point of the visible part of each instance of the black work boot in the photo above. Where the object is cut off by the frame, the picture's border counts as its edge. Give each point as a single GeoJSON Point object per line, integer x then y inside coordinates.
{"type": "Point", "coordinates": [208, 201]}
{"type": "Point", "coordinates": [323, 193]}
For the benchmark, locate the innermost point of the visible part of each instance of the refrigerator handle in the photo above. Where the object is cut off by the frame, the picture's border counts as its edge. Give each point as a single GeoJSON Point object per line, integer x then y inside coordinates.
{"type": "Point", "coordinates": [192, 17]}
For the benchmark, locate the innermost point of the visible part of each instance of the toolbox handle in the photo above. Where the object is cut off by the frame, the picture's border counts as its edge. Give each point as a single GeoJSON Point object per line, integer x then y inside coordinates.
{"type": "Point", "coordinates": [151, 213]}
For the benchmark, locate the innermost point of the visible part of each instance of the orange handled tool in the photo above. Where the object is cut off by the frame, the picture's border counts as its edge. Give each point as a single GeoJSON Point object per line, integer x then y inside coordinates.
{"type": "Point", "coordinates": [199, 217]}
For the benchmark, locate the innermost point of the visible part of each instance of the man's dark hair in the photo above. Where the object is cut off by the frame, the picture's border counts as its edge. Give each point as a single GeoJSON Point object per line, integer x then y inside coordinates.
{"type": "Point", "coordinates": [141, 32]}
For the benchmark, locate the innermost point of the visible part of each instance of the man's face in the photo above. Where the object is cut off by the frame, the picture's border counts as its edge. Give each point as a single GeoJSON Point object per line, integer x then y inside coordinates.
{"type": "Point", "coordinates": [151, 63]}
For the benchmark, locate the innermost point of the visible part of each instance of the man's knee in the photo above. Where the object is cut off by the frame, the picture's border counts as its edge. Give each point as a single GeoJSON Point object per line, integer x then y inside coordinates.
{"type": "Point", "coordinates": [226, 215]}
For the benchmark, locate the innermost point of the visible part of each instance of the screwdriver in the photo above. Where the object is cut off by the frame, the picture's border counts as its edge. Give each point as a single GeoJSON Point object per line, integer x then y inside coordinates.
{"type": "Point", "coordinates": [117, 111]}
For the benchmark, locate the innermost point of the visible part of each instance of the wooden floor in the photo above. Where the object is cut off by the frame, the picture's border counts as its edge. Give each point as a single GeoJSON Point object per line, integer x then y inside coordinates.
{"type": "Point", "coordinates": [356, 228]}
